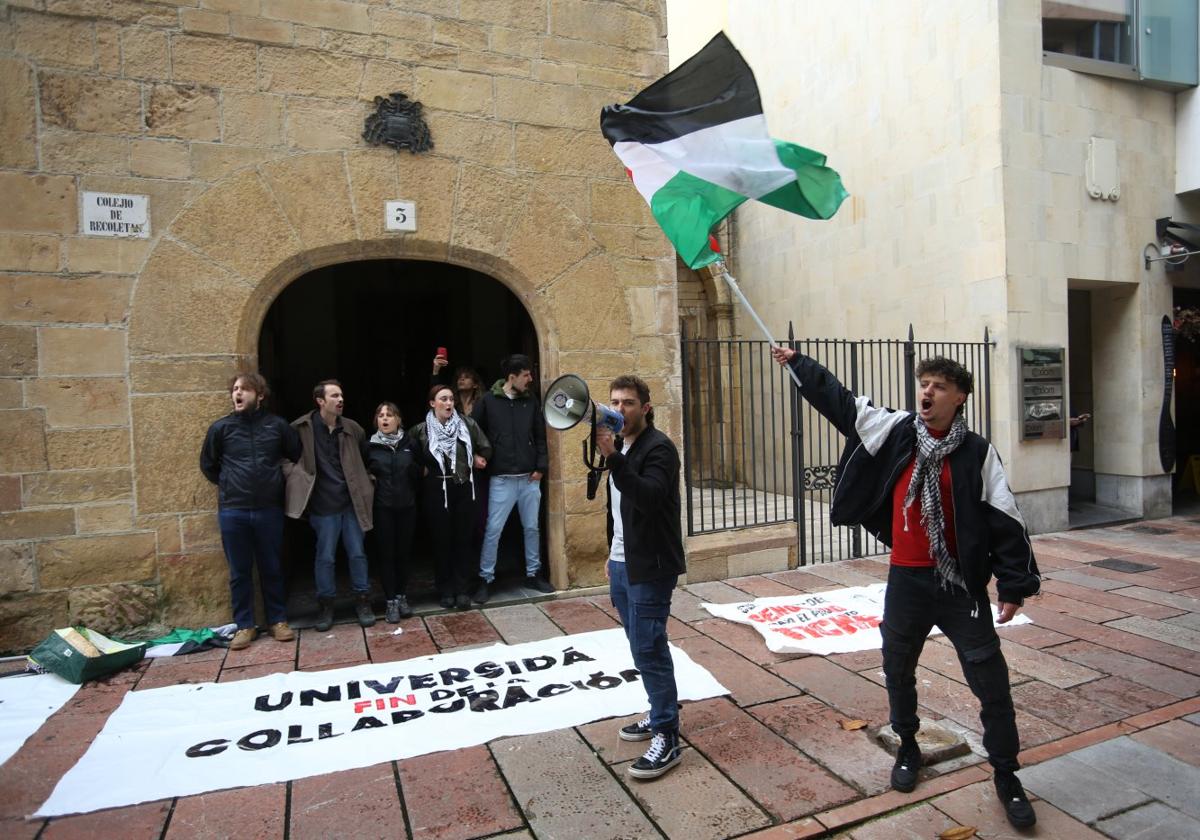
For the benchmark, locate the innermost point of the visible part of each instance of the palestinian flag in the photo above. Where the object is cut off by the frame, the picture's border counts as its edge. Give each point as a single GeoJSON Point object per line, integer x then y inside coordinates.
{"type": "Point", "coordinates": [696, 145]}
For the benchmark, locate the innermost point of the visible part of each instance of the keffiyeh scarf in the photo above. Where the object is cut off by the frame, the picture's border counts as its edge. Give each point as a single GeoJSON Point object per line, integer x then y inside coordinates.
{"type": "Point", "coordinates": [927, 471]}
{"type": "Point", "coordinates": [443, 445]}
{"type": "Point", "coordinates": [390, 441]}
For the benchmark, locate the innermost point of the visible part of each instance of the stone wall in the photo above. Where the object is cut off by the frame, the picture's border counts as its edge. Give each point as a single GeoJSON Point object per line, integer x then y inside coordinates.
{"type": "Point", "coordinates": [240, 119]}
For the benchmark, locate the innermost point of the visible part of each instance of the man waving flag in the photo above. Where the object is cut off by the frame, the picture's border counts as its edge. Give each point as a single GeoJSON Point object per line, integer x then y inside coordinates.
{"type": "Point", "coordinates": [695, 144]}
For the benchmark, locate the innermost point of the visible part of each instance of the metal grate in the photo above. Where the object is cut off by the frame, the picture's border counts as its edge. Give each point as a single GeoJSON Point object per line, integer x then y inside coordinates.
{"type": "Point", "coordinates": [1115, 564]}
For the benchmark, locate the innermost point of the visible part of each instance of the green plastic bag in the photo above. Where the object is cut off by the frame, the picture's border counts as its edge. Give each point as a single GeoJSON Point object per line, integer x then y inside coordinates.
{"type": "Point", "coordinates": [57, 655]}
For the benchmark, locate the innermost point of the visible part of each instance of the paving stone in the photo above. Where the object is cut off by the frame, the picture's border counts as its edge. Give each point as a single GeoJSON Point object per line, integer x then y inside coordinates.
{"type": "Point", "coordinates": [977, 805]}
{"type": "Point", "coordinates": [342, 644]}
{"type": "Point", "coordinates": [384, 646]}
{"type": "Point", "coordinates": [686, 607]}
{"type": "Point", "coordinates": [1117, 639]}
{"type": "Point", "coordinates": [1089, 579]}
{"type": "Point", "coordinates": [1166, 581]}
{"type": "Point", "coordinates": [257, 812]}
{"type": "Point", "coordinates": [1177, 738]}
{"type": "Point", "coordinates": [253, 672]}
{"type": "Point", "coordinates": [456, 794]}
{"type": "Point", "coordinates": [1033, 636]}
{"type": "Point", "coordinates": [940, 656]}
{"type": "Point", "coordinates": [1132, 668]}
{"type": "Point", "coordinates": [1189, 620]}
{"type": "Point", "coordinates": [1080, 609]}
{"type": "Point", "coordinates": [1171, 634]}
{"type": "Point", "coordinates": [521, 623]}
{"type": "Point", "coordinates": [859, 660]}
{"type": "Point", "coordinates": [717, 592]}
{"type": "Point", "coordinates": [842, 576]}
{"type": "Point", "coordinates": [133, 823]}
{"type": "Point", "coordinates": [464, 629]}
{"type": "Point", "coordinates": [851, 694]}
{"type": "Point", "coordinates": [814, 728]}
{"type": "Point", "coordinates": [1045, 666]}
{"type": "Point", "coordinates": [876, 806]}
{"type": "Point", "coordinates": [1111, 598]}
{"type": "Point", "coordinates": [578, 615]}
{"type": "Point", "coordinates": [363, 803]}
{"type": "Point", "coordinates": [1167, 599]}
{"type": "Point", "coordinates": [748, 683]}
{"type": "Point", "coordinates": [938, 742]}
{"type": "Point", "coordinates": [794, 830]}
{"type": "Point", "coordinates": [170, 670]}
{"type": "Point", "coordinates": [1158, 775]}
{"type": "Point", "coordinates": [1083, 792]}
{"type": "Point", "coordinates": [17, 828]}
{"type": "Point", "coordinates": [919, 823]}
{"type": "Point", "coordinates": [776, 775]}
{"type": "Point", "coordinates": [758, 586]}
{"type": "Point", "coordinates": [565, 790]}
{"type": "Point", "coordinates": [1193, 718]}
{"type": "Point", "coordinates": [695, 801]}
{"type": "Point", "coordinates": [1128, 697]}
{"type": "Point", "coordinates": [1065, 708]}
{"type": "Point", "coordinates": [743, 639]}
{"type": "Point", "coordinates": [604, 737]}
{"type": "Point", "coordinates": [801, 580]}
{"type": "Point", "coordinates": [676, 629]}
{"type": "Point", "coordinates": [1147, 821]}
{"type": "Point", "coordinates": [264, 650]}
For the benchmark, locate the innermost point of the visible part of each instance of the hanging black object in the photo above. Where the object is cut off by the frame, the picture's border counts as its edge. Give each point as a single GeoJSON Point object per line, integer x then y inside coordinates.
{"type": "Point", "coordinates": [1166, 428]}
{"type": "Point", "coordinates": [398, 122]}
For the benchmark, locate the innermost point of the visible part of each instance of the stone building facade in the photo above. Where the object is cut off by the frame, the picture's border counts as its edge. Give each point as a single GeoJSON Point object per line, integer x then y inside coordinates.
{"type": "Point", "coordinates": [240, 120]}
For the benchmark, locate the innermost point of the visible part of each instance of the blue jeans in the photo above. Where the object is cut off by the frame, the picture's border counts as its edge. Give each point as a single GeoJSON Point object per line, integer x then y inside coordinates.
{"type": "Point", "coordinates": [249, 537]}
{"type": "Point", "coordinates": [644, 608]}
{"type": "Point", "coordinates": [505, 491]}
{"type": "Point", "coordinates": [328, 529]}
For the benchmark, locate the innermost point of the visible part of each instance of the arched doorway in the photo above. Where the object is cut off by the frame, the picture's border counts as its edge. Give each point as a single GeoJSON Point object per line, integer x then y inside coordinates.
{"type": "Point", "coordinates": [375, 325]}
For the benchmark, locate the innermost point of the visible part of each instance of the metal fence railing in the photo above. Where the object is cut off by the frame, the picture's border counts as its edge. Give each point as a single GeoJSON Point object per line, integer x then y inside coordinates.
{"type": "Point", "coordinates": [756, 454]}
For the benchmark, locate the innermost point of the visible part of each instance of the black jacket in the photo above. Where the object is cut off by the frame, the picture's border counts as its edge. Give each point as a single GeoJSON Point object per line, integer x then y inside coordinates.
{"type": "Point", "coordinates": [880, 442]}
{"type": "Point", "coordinates": [396, 472]}
{"type": "Point", "coordinates": [516, 429]}
{"type": "Point", "coordinates": [241, 455]}
{"type": "Point", "coordinates": [648, 478]}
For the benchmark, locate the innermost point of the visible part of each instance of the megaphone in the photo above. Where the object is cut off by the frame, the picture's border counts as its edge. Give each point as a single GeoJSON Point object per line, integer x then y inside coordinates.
{"type": "Point", "coordinates": [566, 405]}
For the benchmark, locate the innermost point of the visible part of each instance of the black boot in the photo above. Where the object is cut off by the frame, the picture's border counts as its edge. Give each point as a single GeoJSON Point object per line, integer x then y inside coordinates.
{"type": "Point", "coordinates": [1016, 804]}
{"type": "Point", "coordinates": [908, 763]}
{"type": "Point", "coordinates": [324, 615]}
{"type": "Point", "coordinates": [363, 611]}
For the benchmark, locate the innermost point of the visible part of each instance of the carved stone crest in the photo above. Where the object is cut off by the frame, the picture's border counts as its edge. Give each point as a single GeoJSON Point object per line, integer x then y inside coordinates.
{"type": "Point", "coordinates": [398, 122]}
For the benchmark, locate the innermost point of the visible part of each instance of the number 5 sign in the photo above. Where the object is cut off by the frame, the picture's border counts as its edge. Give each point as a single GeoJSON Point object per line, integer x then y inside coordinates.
{"type": "Point", "coordinates": [400, 215]}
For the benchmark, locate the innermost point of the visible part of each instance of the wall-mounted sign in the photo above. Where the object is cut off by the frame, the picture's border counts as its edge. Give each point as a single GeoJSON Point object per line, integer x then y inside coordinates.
{"type": "Point", "coordinates": [1043, 412]}
{"type": "Point", "coordinates": [115, 214]}
{"type": "Point", "coordinates": [400, 215]}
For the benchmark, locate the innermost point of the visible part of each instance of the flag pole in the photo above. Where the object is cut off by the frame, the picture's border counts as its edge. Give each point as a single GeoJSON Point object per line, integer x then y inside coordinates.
{"type": "Point", "coordinates": [737, 291]}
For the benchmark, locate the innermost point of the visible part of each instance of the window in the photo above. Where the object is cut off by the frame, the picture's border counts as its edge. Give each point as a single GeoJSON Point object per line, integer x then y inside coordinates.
{"type": "Point", "coordinates": [1097, 29]}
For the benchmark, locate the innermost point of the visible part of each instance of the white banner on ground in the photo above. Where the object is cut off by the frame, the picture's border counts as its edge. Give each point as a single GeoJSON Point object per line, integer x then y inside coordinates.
{"type": "Point", "coordinates": [837, 621]}
{"type": "Point", "coordinates": [26, 702]}
{"type": "Point", "coordinates": [188, 739]}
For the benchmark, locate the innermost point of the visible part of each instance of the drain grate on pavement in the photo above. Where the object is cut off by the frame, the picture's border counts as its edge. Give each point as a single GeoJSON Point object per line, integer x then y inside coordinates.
{"type": "Point", "coordinates": [1149, 529]}
{"type": "Point", "coordinates": [1114, 564]}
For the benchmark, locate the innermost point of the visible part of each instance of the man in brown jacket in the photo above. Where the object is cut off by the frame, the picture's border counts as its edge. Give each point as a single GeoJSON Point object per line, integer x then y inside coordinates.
{"type": "Point", "coordinates": [331, 485]}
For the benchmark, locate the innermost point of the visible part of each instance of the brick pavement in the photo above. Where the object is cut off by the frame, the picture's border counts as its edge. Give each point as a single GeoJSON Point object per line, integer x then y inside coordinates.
{"type": "Point", "coordinates": [1107, 676]}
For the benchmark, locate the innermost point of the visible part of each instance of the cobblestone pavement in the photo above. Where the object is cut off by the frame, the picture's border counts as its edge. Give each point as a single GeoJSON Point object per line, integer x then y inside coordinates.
{"type": "Point", "coordinates": [1106, 684]}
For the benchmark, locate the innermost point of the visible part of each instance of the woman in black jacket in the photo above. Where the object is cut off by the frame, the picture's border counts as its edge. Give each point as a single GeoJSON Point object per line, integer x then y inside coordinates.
{"type": "Point", "coordinates": [395, 469]}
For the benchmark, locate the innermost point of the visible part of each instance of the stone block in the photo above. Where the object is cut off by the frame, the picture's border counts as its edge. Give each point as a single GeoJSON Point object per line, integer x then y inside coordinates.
{"type": "Point", "coordinates": [190, 113]}
{"type": "Point", "coordinates": [308, 72]}
{"type": "Point", "coordinates": [84, 561]}
{"type": "Point", "coordinates": [90, 103]}
{"type": "Point", "coordinates": [107, 256]}
{"type": "Point", "coordinates": [569, 51]}
{"type": "Point", "coordinates": [513, 14]}
{"type": "Point", "coordinates": [83, 300]}
{"type": "Point", "coordinates": [27, 618]}
{"type": "Point", "coordinates": [758, 562]}
{"type": "Point", "coordinates": [565, 151]}
{"type": "Point", "coordinates": [423, 55]}
{"type": "Point", "coordinates": [74, 151]}
{"type": "Point", "coordinates": [104, 519]}
{"type": "Point", "coordinates": [18, 351]}
{"type": "Point", "coordinates": [382, 77]}
{"type": "Point", "coordinates": [87, 449]}
{"type": "Point", "coordinates": [80, 402]}
{"type": "Point", "coordinates": [160, 159]}
{"type": "Point", "coordinates": [617, 202]}
{"type": "Point", "coordinates": [169, 376]}
{"type": "Point", "coordinates": [241, 7]}
{"type": "Point", "coordinates": [563, 74]}
{"type": "Point", "coordinates": [11, 395]}
{"type": "Point", "coordinates": [116, 609]}
{"type": "Point", "coordinates": [18, 115]}
{"type": "Point", "coordinates": [165, 527]}
{"type": "Point", "coordinates": [81, 352]}
{"type": "Point", "coordinates": [214, 62]}
{"type": "Point", "coordinates": [166, 432]}
{"type": "Point", "coordinates": [195, 589]}
{"type": "Point", "coordinates": [55, 41]}
{"type": "Point", "coordinates": [548, 240]}
{"type": "Point", "coordinates": [585, 295]}
{"type": "Point", "coordinates": [10, 492]}
{"type": "Point", "coordinates": [26, 252]}
{"type": "Point", "coordinates": [1083, 792]}
{"type": "Point", "coordinates": [22, 440]}
{"type": "Point", "coordinates": [938, 743]}
{"type": "Point", "coordinates": [203, 20]}
{"type": "Point", "coordinates": [295, 181]}
{"type": "Point", "coordinates": [373, 182]}
{"type": "Point", "coordinates": [74, 486]}
{"type": "Point", "coordinates": [494, 64]}
{"type": "Point", "coordinates": [254, 119]}
{"type": "Point", "coordinates": [260, 29]}
{"type": "Point", "coordinates": [322, 806]}
{"type": "Point", "coordinates": [121, 11]}
{"type": "Point", "coordinates": [484, 217]}
{"type": "Point", "coordinates": [144, 54]}
{"type": "Point", "coordinates": [108, 48]}
{"type": "Point", "coordinates": [16, 568]}
{"type": "Point", "coordinates": [200, 531]}
{"type": "Point", "coordinates": [398, 23]}
{"type": "Point", "coordinates": [326, 14]}
{"type": "Point", "coordinates": [38, 203]}
{"type": "Point", "coordinates": [1152, 820]}
{"type": "Point", "coordinates": [355, 44]}
{"type": "Point", "coordinates": [36, 524]}
{"type": "Point", "coordinates": [453, 90]}
{"type": "Point", "coordinates": [457, 33]}
{"type": "Point", "coordinates": [213, 161]}
{"type": "Point", "coordinates": [539, 103]}
{"type": "Point", "coordinates": [321, 125]}
{"type": "Point", "coordinates": [605, 23]}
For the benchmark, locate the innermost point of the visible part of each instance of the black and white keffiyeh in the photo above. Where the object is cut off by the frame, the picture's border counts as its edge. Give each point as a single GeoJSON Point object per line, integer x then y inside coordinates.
{"type": "Point", "coordinates": [443, 445]}
{"type": "Point", "coordinates": [390, 441]}
{"type": "Point", "coordinates": [931, 452]}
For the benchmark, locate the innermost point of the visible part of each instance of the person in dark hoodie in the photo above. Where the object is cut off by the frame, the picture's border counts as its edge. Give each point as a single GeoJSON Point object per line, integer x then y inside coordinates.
{"type": "Point", "coordinates": [241, 455]}
{"type": "Point", "coordinates": [936, 493]}
{"type": "Point", "coordinates": [511, 417]}
{"type": "Point", "coordinates": [645, 561]}
{"type": "Point", "coordinates": [394, 467]}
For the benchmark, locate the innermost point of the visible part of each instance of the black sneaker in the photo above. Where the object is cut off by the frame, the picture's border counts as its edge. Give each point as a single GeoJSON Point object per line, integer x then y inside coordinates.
{"type": "Point", "coordinates": [481, 594]}
{"type": "Point", "coordinates": [392, 613]}
{"type": "Point", "coordinates": [1016, 804]}
{"type": "Point", "coordinates": [462, 602]}
{"type": "Point", "coordinates": [324, 616]}
{"type": "Point", "coordinates": [402, 606]}
{"type": "Point", "coordinates": [908, 762]}
{"type": "Point", "coordinates": [363, 612]}
{"type": "Point", "coordinates": [664, 753]}
{"type": "Point", "coordinates": [639, 731]}
{"type": "Point", "coordinates": [540, 584]}
{"type": "Point", "coordinates": [447, 602]}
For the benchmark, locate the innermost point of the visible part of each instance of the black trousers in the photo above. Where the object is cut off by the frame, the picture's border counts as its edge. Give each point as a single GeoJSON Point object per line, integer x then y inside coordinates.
{"type": "Point", "coordinates": [393, 540]}
{"type": "Point", "coordinates": [914, 603]}
{"type": "Point", "coordinates": [451, 527]}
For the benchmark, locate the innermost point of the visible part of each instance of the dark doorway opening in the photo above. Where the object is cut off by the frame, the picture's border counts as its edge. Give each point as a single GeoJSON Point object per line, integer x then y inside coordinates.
{"type": "Point", "coordinates": [375, 325]}
{"type": "Point", "coordinates": [1186, 481]}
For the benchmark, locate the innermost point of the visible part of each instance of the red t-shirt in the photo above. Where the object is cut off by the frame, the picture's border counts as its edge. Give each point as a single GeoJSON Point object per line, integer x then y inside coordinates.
{"type": "Point", "coordinates": [911, 547]}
